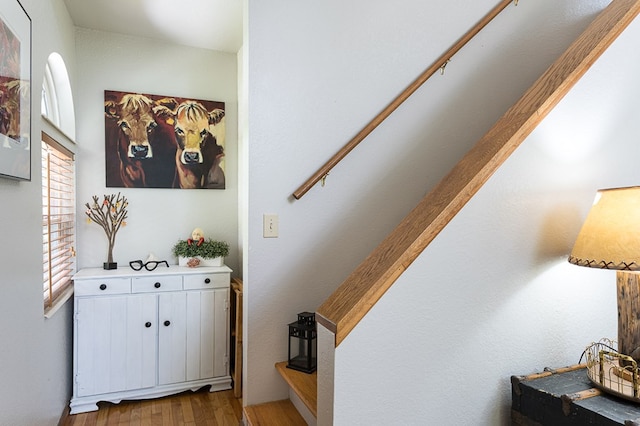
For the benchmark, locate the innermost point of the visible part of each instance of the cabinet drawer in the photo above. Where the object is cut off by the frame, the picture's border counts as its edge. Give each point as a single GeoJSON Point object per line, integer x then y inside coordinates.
{"type": "Point", "coordinates": [101, 287]}
{"type": "Point", "coordinates": [157, 283]}
{"type": "Point", "coordinates": [198, 281]}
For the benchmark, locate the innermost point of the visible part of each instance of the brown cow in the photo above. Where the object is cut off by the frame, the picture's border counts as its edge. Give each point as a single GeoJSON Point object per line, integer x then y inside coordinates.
{"type": "Point", "coordinates": [14, 112]}
{"type": "Point", "coordinates": [15, 143]}
{"type": "Point", "coordinates": [5, 111]}
{"type": "Point", "coordinates": [140, 148]}
{"type": "Point", "coordinates": [198, 154]}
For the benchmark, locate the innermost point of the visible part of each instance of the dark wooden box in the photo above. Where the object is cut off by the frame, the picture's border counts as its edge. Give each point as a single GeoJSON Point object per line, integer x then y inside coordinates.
{"type": "Point", "coordinates": [566, 397]}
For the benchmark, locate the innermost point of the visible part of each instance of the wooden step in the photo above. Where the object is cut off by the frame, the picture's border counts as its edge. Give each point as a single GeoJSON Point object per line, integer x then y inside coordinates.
{"type": "Point", "coordinates": [284, 413]}
{"type": "Point", "coordinates": [303, 384]}
{"type": "Point", "coordinates": [276, 413]}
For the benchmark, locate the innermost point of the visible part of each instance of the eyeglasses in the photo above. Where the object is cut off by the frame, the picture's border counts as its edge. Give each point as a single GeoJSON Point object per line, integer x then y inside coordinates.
{"type": "Point", "coordinates": [137, 265]}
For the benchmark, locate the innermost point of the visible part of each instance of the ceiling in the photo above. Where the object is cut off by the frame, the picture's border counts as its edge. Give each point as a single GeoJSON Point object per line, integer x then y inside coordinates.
{"type": "Point", "coordinates": [208, 24]}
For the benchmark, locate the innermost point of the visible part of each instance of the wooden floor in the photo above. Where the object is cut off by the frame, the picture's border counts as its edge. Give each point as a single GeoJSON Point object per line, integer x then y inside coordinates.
{"type": "Point", "coordinates": [188, 408]}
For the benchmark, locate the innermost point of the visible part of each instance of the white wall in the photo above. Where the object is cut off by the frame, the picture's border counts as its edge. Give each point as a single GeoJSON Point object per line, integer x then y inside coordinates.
{"type": "Point", "coordinates": [493, 288]}
{"type": "Point", "coordinates": [157, 217]}
{"type": "Point", "coordinates": [35, 353]}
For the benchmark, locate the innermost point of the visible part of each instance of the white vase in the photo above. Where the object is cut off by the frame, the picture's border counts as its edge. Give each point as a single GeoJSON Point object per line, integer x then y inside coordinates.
{"type": "Point", "coordinates": [216, 261]}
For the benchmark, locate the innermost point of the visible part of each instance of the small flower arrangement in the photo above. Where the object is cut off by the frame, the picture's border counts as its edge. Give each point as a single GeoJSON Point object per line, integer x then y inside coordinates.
{"type": "Point", "coordinates": [110, 215]}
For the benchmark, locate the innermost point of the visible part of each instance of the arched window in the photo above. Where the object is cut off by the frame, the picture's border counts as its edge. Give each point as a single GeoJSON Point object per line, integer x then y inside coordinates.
{"type": "Point", "coordinates": [57, 100]}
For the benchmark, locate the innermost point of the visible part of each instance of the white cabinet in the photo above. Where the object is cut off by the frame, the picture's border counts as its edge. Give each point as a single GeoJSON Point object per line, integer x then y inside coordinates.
{"type": "Point", "coordinates": [142, 334]}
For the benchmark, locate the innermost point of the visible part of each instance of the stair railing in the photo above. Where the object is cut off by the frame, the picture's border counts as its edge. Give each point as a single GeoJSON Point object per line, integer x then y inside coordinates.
{"type": "Point", "coordinates": [438, 65]}
{"type": "Point", "coordinates": [351, 301]}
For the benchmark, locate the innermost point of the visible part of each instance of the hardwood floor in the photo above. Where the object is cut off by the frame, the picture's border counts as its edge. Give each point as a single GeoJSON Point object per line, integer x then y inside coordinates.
{"type": "Point", "coordinates": [187, 408]}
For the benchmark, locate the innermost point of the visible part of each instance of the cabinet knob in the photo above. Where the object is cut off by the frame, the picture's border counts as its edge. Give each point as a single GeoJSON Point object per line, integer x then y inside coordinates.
{"type": "Point", "coordinates": [157, 285]}
{"type": "Point", "coordinates": [207, 280]}
{"type": "Point", "coordinates": [103, 286]}
{"type": "Point", "coordinates": [167, 323]}
{"type": "Point", "coordinates": [147, 324]}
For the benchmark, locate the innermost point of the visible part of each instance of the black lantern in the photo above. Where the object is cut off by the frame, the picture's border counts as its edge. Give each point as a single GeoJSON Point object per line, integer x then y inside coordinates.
{"type": "Point", "coordinates": [302, 343]}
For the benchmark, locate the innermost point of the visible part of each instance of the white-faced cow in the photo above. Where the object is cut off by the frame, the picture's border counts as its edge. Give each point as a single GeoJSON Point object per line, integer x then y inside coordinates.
{"type": "Point", "coordinates": [198, 154]}
{"type": "Point", "coordinates": [140, 149]}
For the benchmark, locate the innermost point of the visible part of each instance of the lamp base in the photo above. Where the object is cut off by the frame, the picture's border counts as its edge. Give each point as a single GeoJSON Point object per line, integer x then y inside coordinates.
{"type": "Point", "coordinates": [628, 285]}
{"type": "Point", "coordinates": [110, 265]}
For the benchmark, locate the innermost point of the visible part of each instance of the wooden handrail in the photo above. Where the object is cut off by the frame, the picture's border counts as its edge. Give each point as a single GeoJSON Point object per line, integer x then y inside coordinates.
{"type": "Point", "coordinates": [342, 311]}
{"type": "Point", "coordinates": [439, 64]}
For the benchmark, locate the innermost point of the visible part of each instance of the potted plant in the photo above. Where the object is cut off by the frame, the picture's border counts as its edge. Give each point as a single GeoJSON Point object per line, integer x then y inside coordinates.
{"type": "Point", "coordinates": [198, 251]}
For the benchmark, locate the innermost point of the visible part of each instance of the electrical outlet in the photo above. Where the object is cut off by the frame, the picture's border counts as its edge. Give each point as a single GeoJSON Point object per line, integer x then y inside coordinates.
{"type": "Point", "coordinates": [270, 226]}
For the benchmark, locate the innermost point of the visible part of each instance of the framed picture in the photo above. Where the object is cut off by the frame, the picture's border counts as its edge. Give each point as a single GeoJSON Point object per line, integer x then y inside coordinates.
{"type": "Point", "coordinates": [155, 141]}
{"type": "Point", "coordinates": [15, 91]}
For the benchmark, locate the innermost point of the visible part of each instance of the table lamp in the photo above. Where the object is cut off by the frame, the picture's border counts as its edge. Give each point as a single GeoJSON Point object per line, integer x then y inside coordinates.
{"type": "Point", "coordinates": [610, 239]}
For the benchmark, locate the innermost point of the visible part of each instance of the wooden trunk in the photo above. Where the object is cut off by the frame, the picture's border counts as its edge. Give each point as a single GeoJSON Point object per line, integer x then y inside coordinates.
{"type": "Point", "coordinates": [567, 397]}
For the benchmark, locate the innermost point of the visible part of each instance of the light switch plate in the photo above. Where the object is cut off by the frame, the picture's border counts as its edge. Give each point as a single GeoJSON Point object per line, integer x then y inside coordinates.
{"type": "Point", "coordinates": [270, 226]}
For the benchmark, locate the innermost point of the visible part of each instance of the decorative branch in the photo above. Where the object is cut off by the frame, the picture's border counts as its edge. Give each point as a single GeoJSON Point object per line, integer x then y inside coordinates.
{"type": "Point", "coordinates": [110, 215]}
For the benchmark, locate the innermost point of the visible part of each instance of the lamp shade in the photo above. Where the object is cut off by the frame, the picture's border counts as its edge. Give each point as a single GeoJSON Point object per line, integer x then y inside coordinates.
{"type": "Point", "coordinates": [610, 236]}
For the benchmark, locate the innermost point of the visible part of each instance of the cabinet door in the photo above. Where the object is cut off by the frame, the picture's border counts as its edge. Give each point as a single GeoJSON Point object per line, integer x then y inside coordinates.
{"type": "Point", "coordinates": [116, 347]}
{"type": "Point", "coordinates": [172, 312]}
{"type": "Point", "coordinates": [207, 336]}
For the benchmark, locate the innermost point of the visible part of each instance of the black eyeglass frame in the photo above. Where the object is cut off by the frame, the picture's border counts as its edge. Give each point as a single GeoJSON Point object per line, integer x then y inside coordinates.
{"type": "Point", "coordinates": [137, 265]}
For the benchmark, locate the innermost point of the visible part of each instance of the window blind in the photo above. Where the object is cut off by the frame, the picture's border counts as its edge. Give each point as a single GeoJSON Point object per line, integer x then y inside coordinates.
{"type": "Point", "coordinates": [58, 218]}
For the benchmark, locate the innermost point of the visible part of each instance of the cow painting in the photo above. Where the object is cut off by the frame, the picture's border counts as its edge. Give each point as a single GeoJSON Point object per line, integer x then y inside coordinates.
{"type": "Point", "coordinates": [144, 145]}
{"type": "Point", "coordinates": [15, 100]}
{"type": "Point", "coordinates": [198, 153]}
